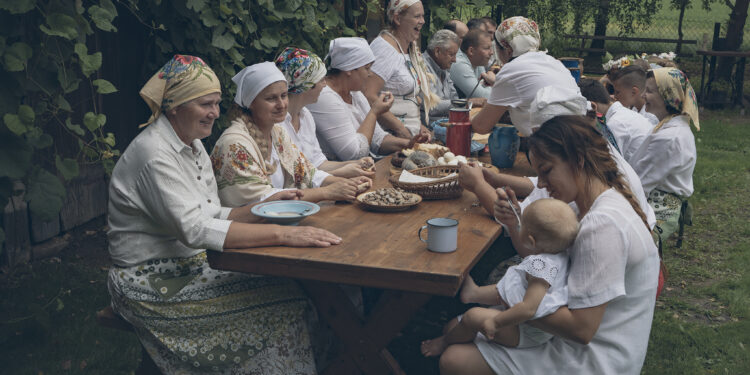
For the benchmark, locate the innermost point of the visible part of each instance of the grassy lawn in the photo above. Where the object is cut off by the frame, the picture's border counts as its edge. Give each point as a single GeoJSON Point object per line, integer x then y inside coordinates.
{"type": "Point", "coordinates": [700, 327]}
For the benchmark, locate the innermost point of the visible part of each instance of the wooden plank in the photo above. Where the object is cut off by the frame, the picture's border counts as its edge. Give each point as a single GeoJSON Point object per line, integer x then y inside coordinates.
{"type": "Point", "coordinates": [16, 226]}
{"type": "Point", "coordinates": [628, 39]}
{"type": "Point", "coordinates": [724, 53]}
{"type": "Point", "coordinates": [44, 230]}
{"type": "Point", "coordinates": [586, 49]}
{"type": "Point", "coordinates": [86, 198]}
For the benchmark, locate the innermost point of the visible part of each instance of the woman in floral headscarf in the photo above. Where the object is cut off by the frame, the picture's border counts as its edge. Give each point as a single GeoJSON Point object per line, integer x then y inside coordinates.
{"type": "Point", "coordinates": [164, 213]}
{"type": "Point", "coordinates": [667, 157]}
{"type": "Point", "coordinates": [400, 69]}
{"type": "Point", "coordinates": [305, 74]}
{"type": "Point", "coordinates": [526, 70]}
{"type": "Point", "coordinates": [255, 158]}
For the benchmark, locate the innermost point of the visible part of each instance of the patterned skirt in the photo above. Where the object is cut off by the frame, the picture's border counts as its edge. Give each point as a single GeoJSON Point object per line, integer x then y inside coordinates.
{"type": "Point", "coordinates": [194, 319]}
{"type": "Point", "coordinates": [667, 207]}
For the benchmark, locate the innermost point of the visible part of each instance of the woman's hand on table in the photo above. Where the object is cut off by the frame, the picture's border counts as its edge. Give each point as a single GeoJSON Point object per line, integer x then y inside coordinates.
{"type": "Point", "coordinates": [469, 175]}
{"type": "Point", "coordinates": [354, 170]}
{"type": "Point", "coordinates": [502, 210]}
{"type": "Point", "coordinates": [343, 189]}
{"type": "Point", "coordinates": [383, 103]}
{"type": "Point", "coordinates": [419, 138]}
{"type": "Point", "coordinates": [286, 195]}
{"type": "Point", "coordinates": [308, 237]}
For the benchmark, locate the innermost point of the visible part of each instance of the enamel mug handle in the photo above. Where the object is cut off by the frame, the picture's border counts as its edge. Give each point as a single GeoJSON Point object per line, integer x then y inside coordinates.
{"type": "Point", "coordinates": [419, 233]}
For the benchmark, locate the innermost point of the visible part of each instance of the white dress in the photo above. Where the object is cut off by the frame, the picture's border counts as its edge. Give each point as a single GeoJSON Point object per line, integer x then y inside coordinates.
{"type": "Point", "coordinates": [337, 122]}
{"type": "Point", "coordinates": [628, 127]}
{"type": "Point", "coordinates": [553, 268]}
{"type": "Point", "coordinates": [613, 260]}
{"type": "Point", "coordinates": [667, 157]}
{"type": "Point", "coordinates": [305, 139]}
{"type": "Point", "coordinates": [518, 81]}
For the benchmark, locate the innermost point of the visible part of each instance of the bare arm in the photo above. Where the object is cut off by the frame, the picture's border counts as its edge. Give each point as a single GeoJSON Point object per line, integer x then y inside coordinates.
{"type": "Point", "coordinates": [387, 120]}
{"type": "Point", "coordinates": [579, 325]}
{"type": "Point", "coordinates": [521, 185]}
{"type": "Point", "coordinates": [486, 119]}
{"type": "Point", "coordinates": [241, 235]}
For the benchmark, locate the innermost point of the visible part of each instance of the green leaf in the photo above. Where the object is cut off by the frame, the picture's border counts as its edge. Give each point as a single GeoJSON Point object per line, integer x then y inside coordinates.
{"type": "Point", "coordinates": [74, 128]}
{"type": "Point", "coordinates": [104, 87]}
{"type": "Point", "coordinates": [209, 19]}
{"type": "Point", "coordinates": [45, 194]}
{"type": "Point", "coordinates": [16, 55]}
{"type": "Point", "coordinates": [250, 26]}
{"type": "Point", "coordinates": [60, 305]}
{"type": "Point", "coordinates": [38, 139]}
{"type": "Point", "coordinates": [67, 167]}
{"type": "Point", "coordinates": [14, 124]}
{"type": "Point", "coordinates": [224, 41]}
{"type": "Point", "coordinates": [269, 40]}
{"type": "Point", "coordinates": [68, 80]}
{"type": "Point", "coordinates": [102, 18]}
{"type": "Point", "coordinates": [17, 6]}
{"type": "Point", "coordinates": [109, 139]}
{"type": "Point", "coordinates": [196, 5]}
{"type": "Point", "coordinates": [15, 156]}
{"type": "Point", "coordinates": [108, 165]}
{"type": "Point", "coordinates": [225, 9]}
{"type": "Point", "coordinates": [61, 25]}
{"type": "Point", "coordinates": [93, 121]}
{"type": "Point", "coordinates": [63, 104]}
{"type": "Point", "coordinates": [89, 63]}
{"type": "Point", "coordinates": [26, 114]}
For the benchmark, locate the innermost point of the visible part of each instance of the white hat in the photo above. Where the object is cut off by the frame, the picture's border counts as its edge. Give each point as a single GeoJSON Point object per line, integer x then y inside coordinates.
{"type": "Point", "coordinates": [349, 53]}
{"type": "Point", "coordinates": [553, 101]}
{"type": "Point", "coordinates": [253, 79]}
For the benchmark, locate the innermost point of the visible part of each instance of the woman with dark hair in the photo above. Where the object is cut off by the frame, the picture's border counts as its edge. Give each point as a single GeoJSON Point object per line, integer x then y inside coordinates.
{"type": "Point", "coordinates": [613, 271]}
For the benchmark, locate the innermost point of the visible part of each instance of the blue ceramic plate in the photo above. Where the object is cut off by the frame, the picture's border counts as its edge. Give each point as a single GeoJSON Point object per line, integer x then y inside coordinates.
{"type": "Point", "coordinates": [285, 212]}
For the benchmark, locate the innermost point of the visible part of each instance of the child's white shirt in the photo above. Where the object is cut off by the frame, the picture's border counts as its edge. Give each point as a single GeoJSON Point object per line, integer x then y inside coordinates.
{"type": "Point", "coordinates": [553, 268]}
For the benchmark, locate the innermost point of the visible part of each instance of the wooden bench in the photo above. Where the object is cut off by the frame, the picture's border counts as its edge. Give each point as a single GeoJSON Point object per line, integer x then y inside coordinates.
{"type": "Point", "coordinates": [106, 317]}
{"type": "Point", "coordinates": [585, 37]}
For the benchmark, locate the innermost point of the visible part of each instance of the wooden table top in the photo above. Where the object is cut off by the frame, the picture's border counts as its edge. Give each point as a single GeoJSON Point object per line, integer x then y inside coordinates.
{"type": "Point", "coordinates": [379, 249]}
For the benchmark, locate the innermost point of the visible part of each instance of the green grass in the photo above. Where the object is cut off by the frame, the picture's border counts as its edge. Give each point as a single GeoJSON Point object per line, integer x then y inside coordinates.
{"type": "Point", "coordinates": [700, 325]}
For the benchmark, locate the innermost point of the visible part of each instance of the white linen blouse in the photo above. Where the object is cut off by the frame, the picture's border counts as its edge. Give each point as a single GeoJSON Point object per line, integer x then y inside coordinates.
{"type": "Point", "coordinates": [613, 260]}
{"type": "Point", "coordinates": [163, 199]}
{"type": "Point", "coordinates": [337, 122]}
{"type": "Point", "coordinates": [667, 157]}
{"type": "Point", "coordinates": [628, 127]}
{"type": "Point", "coordinates": [305, 139]}
{"type": "Point", "coordinates": [390, 65]}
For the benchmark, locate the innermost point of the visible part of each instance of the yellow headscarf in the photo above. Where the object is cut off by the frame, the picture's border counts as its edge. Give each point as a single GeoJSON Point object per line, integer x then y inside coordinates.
{"type": "Point", "coordinates": [678, 94]}
{"type": "Point", "coordinates": [181, 79]}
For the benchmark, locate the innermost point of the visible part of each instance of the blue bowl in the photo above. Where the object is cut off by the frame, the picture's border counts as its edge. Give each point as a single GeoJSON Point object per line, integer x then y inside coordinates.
{"type": "Point", "coordinates": [285, 212]}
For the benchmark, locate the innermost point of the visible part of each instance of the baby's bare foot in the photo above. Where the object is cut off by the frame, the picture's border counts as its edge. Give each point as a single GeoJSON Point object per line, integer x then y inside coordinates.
{"type": "Point", "coordinates": [468, 291]}
{"type": "Point", "coordinates": [434, 347]}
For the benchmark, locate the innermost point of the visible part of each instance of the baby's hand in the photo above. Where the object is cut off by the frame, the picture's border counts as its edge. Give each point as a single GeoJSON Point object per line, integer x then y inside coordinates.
{"type": "Point", "coordinates": [489, 329]}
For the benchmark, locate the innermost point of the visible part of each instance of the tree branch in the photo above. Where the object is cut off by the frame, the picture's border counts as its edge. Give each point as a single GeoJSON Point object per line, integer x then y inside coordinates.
{"type": "Point", "coordinates": [729, 4]}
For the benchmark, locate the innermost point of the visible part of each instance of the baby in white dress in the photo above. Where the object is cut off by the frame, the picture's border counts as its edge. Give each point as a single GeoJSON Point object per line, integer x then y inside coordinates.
{"type": "Point", "coordinates": [533, 289]}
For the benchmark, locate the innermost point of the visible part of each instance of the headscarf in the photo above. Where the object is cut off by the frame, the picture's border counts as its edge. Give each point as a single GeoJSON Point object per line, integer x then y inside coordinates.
{"type": "Point", "coordinates": [301, 68]}
{"type": "Point", "coordinates": [181, 79]}
{"type": "Point", "coordinates": [674, 87]}
{"type": "Point", "coordinates": [519, 33]}
{"type": "Point", "coordinates": [424, 78]}
{"type": "Point", "coordinates": [349, 53]}
{"type": "Point", "coordinates": [253, 79]}
{"type": "Point", "coordinates": [553, 101]}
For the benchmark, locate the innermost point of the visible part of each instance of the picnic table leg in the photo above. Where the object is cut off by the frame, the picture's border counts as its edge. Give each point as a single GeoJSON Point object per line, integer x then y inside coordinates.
{"type": "Point", "coordinates": [364, 342]}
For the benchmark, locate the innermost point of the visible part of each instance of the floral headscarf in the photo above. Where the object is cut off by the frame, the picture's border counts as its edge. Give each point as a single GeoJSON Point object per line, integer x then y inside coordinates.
{"type": "Point", "coordinates": [674, 87]}
{"type": "Point", "coordinates": [519, 33]}
{"type": "Point", "coordinates": [301, 68]}
{"type": "Point", "coordinates": [396, 6]}
{"type": "Point", "coordinates": [181, 79]}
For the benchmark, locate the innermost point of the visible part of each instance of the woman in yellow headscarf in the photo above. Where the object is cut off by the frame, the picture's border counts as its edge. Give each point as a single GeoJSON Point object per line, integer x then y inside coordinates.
{"type": "Point", "coordinates": [164, 213]}
{"type": "Point", "coordinates": [666, 159]}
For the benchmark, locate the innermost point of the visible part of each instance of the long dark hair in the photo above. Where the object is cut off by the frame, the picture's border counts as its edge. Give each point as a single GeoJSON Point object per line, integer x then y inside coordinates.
{"type": "Point", "coordinates": [576, 142]}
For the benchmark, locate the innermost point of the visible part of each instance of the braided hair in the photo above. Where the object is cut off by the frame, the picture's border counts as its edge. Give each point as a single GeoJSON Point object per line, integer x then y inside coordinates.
{"type": "Point", "coordinates": [576, 142]}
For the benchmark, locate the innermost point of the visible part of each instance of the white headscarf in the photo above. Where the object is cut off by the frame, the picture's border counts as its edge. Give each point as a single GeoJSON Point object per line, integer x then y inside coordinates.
{"type": "Point", "coordinates": [396, 6]}
{"type": "Point", "coordinates": [553, 101]}
{"type": "Point", "coordinates": [253, 79]}
{"type": "Point", "coordinates": [349, 53]}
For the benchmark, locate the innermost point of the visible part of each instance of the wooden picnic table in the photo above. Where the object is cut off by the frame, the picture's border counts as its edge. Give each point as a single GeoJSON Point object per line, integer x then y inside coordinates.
{"type": "Point", "coordinates": [378, 250]}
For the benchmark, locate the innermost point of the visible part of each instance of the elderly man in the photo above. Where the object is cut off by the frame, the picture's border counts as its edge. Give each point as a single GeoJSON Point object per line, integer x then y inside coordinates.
{"type": "Point", "coordinates": [457, 27]}
{"type": "Point", "coordinates": [470, 66]}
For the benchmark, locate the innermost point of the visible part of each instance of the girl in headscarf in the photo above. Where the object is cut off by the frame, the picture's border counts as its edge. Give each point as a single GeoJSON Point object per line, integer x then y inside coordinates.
{"type": "Point", "coordinates": [346, 124]}
{"type": "Point", "coordinates": [305, 74]}
{"type": "Point", "coordinates": [255, 158]}
{"type": "Point", "coordinates": [667, 157]}
{"type": "Point", "coordinates": [400, 69]}
{"type": "Point", "coordinates": [164, 213]}
{"type": "Point", "coordinates": [526, 70]}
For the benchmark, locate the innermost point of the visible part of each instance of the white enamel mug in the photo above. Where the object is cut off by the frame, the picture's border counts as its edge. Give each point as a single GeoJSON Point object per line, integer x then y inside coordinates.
{"type": "Point", "coordinates": [442, 234]}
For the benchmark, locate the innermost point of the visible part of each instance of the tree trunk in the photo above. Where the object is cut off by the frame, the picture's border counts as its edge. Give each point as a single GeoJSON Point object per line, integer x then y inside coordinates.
{"type": "Point", "coordinates": [679, 26]}
{"type": "Point", "coordinates": [734, 37]}
{"type": "Point", "coordinates": [600, 28]}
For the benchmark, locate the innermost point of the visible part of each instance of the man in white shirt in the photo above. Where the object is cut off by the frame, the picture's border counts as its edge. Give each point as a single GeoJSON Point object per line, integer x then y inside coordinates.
{"type": "Point", "coordinates": [471, 60]}
{"type": "Point", "coordinates": [629, 83]}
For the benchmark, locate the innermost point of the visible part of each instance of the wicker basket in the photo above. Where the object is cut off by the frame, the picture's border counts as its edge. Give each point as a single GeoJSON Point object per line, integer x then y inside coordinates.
{"type": "Point", "coordinates": [443, 189]}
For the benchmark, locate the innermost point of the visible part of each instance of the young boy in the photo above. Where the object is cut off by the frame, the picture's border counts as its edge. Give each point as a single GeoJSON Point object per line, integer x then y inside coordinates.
{"type": "Point", "coordinates": [535, 288]}
{"type": "Point", "coordinates": [629, 83]}
{"type": "Point", "coordinates": [628, 127]}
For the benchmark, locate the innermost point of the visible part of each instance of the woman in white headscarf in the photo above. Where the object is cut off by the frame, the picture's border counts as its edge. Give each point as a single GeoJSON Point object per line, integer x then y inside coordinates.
{"type": "Point", "coordinates": [400, 69]}
{"type": "Point", "coordinates": [254, 158]}
{"type": "Point", "coordinates": [305, 74]}
{"type": "Point", "coordinates": [346, 124]}
{"type": "Point", "coordinates": [525, 71]}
